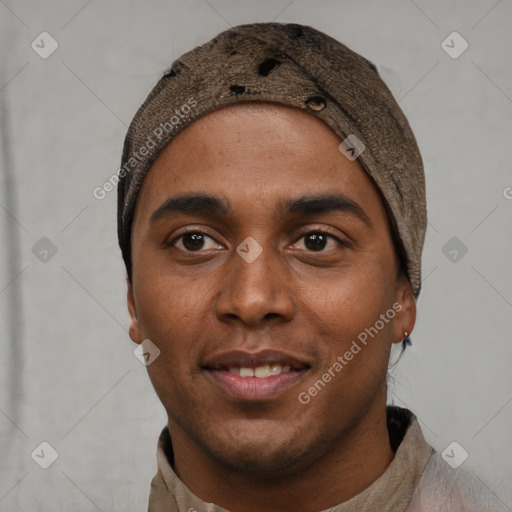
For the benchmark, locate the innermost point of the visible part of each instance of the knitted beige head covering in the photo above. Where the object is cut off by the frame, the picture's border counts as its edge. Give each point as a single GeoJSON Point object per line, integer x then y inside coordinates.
{"type": "Point", "coordinates": [292, 65]}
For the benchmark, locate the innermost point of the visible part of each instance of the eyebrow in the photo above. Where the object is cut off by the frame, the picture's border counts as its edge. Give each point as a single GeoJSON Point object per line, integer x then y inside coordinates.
{"type": "Point", "coordinates": [191, 204]}
{"type": "Point", "coordinates": [205, 204]}
{"type": "Point", "coordinates": [325, 203]}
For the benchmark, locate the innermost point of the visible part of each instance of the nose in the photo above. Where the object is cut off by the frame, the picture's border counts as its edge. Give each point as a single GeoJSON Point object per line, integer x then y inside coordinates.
{"type": "Point", "coordinates": [255, 293]}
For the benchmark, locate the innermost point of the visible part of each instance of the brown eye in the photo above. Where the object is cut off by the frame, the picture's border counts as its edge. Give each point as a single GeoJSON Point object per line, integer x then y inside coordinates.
{"type": "Point", "coordinates": [318, 241]}
{"type": "Point", "coordinates": [315, 241]}
{"type": "Point", "coordinates": [194, 241]}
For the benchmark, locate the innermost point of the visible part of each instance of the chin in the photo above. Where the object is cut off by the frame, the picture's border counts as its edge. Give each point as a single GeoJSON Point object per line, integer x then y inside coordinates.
{"type": "Point", "coordinates": [253, 455]}
{"type": "Point", "coordinates": [259, 459]}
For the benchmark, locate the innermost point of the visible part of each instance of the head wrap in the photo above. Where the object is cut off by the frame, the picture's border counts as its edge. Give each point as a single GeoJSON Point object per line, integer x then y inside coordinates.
{"type": "Point", "coordinates": [293, 65]}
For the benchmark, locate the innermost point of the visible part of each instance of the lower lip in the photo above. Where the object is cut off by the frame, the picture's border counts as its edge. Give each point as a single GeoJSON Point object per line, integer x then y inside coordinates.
{"type": "Point", "coordinates": [255, 388]}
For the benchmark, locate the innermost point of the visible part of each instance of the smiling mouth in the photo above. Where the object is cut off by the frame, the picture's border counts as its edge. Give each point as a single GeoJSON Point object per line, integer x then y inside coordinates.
{"type": "Point", "coordinates": [261, 376]}
{"type": "Point", "coordinates": [260, 372]}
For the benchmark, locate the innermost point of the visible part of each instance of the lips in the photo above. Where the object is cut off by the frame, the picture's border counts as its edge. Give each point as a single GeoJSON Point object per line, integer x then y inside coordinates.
{"type": "Point", "coordinates": [242, 359]}
{"type": "Point", "coordinates": [263, 375]}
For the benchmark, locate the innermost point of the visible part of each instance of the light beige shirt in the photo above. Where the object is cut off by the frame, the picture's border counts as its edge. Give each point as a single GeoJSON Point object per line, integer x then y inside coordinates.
{"type": "Point", "coordinates": [417, 480]}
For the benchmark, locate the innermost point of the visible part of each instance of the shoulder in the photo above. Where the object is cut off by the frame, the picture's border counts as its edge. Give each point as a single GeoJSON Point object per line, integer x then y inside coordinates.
{"type": "Point", "coordinates": [443, 488]}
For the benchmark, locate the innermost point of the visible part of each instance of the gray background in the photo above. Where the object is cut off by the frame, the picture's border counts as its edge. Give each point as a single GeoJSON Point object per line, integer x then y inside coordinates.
{"type": "Point", "coordinates": [68, 374]}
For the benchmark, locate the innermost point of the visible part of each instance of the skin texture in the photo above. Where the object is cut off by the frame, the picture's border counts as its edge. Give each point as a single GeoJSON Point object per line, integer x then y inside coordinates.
{"type": "Point", "coordinates": [278, 454]}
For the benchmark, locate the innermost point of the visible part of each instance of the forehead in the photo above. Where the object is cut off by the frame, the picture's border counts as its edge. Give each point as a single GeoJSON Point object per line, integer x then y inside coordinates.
{"type": "Point", "coordinates": [263, 130]}
{"type": "Point", "coordinates": [254, 154]}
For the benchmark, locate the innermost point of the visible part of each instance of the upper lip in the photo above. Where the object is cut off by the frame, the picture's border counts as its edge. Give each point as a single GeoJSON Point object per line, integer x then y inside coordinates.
{"type": "Point", "coordinates": [243, 359]}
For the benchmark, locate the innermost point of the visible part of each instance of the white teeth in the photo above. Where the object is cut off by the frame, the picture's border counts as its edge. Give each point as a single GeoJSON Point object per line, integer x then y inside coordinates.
{"type": "Point", "coordinates": [246, 372]}
{"type": "Point", "coordinates": [275, 369]}
{"type": "Point", "coordinates": [260, 372]}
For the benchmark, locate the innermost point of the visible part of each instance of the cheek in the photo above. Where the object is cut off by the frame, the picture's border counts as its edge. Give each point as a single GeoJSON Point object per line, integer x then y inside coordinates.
{"type": "Point", "coordinates": [353, 299]}
{"type": "Point", "coordinates": [353, 315]}
{"type": "Point", "coordinates": [172, 315]}
{"type": "Point", "coordinates": [354, 347]}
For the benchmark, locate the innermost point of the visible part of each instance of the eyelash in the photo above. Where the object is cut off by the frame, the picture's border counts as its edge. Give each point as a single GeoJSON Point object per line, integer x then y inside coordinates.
{"type": "Point", "coordinates": [173, 242]}
{"type": "Point", "coordinates": [325, 233]}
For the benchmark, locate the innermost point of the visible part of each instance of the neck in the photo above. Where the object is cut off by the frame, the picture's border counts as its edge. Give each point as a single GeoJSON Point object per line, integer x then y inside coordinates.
{"type": "Point", "coordinates": [340, 473]}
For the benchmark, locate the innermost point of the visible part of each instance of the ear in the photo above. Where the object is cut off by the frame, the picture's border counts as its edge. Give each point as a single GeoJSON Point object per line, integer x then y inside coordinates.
{"type": "Point", "coordinates": [134, 323]}
{"type": "Point", "coordinates": [406, 310]}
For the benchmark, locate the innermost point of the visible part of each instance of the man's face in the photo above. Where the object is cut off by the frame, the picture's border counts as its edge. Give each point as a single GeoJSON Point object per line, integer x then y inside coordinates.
{"type": "Point", "coordinates": [326, 272]}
